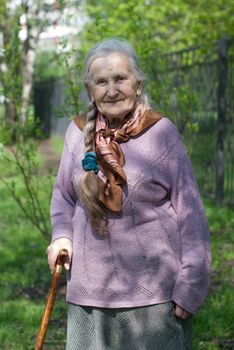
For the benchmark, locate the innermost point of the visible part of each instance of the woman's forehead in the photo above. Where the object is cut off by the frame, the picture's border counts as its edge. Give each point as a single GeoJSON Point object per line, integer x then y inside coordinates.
{"type": "Point", "coordinates": [113, 62]}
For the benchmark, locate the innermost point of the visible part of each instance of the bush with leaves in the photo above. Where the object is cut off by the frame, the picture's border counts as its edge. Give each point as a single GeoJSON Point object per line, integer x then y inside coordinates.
{"type": "Point", "coordinates": [23, 175]}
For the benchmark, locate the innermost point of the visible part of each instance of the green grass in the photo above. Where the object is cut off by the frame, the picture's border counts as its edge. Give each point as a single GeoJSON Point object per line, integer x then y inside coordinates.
{"type": "Point", "coordinates": [214, 324]}
{"type": "Point", "coordinates": [25, 279]}
{"type": "Point", "coordinates": [2, 111]}
{"type": "Point", "coordinates": [24, 282]}
{"type": "Point", "coordinates": [57, 143]}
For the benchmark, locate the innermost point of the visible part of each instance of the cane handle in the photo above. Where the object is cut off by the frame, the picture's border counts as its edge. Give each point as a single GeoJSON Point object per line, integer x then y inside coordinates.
{"type": "Point", "coordinates": [62, 255]}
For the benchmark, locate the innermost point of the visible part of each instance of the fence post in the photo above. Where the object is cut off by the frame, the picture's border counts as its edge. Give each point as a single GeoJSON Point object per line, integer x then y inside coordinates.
{"type": "Point", "coordinates": [221, 102]}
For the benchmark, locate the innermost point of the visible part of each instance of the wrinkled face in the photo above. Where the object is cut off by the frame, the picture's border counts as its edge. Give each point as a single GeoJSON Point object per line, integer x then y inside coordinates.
{"type": "Point", "coordinates": [113, 88]}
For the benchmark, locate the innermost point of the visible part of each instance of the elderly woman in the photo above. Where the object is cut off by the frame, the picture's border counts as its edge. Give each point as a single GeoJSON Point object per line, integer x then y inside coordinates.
{"type": "Point", "coordinates": [127, 208]}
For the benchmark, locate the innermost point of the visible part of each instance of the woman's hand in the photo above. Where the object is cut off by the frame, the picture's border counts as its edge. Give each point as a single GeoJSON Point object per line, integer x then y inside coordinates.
{"type": "Point", "coordinates": [181, 313]}
{"type": "Point", "coordinates": [53, 250]}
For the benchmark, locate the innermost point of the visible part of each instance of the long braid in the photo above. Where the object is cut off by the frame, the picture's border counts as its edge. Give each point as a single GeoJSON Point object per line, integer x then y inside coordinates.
{"type": "Point", "coordinates": [88, 188]}
{"type": "Point", "coordinates": [89, 128]}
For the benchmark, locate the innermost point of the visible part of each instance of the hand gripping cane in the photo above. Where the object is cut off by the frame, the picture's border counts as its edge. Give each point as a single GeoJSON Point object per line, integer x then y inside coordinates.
{"type": "Point", "coordinates": [50, 298]}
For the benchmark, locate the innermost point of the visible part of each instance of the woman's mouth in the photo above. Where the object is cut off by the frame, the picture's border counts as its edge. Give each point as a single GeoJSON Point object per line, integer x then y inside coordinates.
{"type": "Point", "coordinates": [113, 102]}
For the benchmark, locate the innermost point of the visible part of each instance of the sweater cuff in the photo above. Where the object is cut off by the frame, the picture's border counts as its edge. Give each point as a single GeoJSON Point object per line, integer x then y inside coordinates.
{"type": "Point", "coordinates": [62, 232]}
{"type": "Point", "coordinates": [186, 296]}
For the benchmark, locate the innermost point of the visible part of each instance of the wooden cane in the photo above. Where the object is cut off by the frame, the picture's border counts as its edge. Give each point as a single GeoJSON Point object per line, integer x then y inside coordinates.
{"type": "Point", "coordinates": [50, 298]}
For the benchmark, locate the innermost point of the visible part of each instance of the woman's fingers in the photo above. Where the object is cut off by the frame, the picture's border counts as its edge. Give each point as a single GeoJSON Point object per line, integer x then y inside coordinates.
{"type": "Point", "coordinates": [67, 263]}
{"type": "Point", "coordinates": [53, 250]}
{"type": "Point", "coordinates": [181, 313]}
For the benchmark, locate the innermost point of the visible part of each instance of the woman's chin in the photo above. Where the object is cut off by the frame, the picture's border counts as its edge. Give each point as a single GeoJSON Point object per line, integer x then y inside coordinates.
{"type": "Point", "coordinates": [115, 113]}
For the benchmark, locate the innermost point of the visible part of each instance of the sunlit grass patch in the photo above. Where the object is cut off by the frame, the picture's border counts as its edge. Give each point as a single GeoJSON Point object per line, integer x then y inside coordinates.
{"type": "Point", "coordinates": [213, 325]}
{"type": "Point", "coordinates": [21, 323]}
{"type": "Point", "coordinates": [57, 143]}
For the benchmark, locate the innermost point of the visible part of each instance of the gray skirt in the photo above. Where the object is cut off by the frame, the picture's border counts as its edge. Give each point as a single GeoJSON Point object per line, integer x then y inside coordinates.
{"type": "Point", "coordinates": [142, 328]}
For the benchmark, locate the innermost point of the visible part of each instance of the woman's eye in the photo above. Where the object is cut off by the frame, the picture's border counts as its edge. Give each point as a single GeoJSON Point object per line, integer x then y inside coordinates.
{"type": "Point", "coordinates": [100, 82]}
{"type": "Point", "coordinates": [120, 78]}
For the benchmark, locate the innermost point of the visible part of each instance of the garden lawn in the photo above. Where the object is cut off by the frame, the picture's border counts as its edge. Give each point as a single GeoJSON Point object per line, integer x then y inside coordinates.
{"type": "Point", "coordinates": [24, 282]}
{"type": "Point", "coordinates": [25, 279]}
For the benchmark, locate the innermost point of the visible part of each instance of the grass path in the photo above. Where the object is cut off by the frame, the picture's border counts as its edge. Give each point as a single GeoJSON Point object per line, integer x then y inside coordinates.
{"type": "Point", "coordinates": [50, 151]}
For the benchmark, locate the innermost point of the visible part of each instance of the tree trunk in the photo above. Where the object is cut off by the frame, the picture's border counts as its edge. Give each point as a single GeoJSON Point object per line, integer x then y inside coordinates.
{"type": "Point", "coordinates": [29, 57]}
{"type": "Point", "coordinates": [28, 72]}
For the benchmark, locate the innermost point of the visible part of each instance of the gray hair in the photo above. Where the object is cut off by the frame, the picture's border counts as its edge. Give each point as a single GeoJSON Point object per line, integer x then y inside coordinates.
{"type": "Point", "coordinates": [116, 45]}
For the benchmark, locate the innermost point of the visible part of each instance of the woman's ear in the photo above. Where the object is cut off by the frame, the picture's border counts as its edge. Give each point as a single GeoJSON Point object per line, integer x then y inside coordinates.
{"type": "Point", "coordinates": [139, 89]}
{"type": "Point", "coordinates": [89, 89]}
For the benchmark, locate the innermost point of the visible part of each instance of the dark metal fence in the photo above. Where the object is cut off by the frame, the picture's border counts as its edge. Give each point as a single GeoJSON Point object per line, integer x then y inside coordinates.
{"type": "Point", "coordinates": [49, 97]}
{"type": "Point", "coordinates": [199, 82]}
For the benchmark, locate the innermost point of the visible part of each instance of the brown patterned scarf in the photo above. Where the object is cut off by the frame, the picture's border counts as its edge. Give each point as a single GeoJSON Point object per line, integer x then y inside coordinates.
{"type": "Point", "coordinates": [110, 156]}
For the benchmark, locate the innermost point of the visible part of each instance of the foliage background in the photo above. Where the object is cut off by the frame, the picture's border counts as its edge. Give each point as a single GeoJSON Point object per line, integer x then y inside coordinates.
{"type": "Point", "coordinates": [154, 28]}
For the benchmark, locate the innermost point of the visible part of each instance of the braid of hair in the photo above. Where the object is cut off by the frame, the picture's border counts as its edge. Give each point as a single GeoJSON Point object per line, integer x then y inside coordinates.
{"type": "Point", "coordinates": [89, 128]}
{"type": "Point", "coordinates": [89, 188]}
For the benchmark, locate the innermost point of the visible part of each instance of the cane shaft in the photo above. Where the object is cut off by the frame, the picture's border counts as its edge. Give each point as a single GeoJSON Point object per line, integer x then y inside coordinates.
{"type": "Point", "coordinates": [50, 299]}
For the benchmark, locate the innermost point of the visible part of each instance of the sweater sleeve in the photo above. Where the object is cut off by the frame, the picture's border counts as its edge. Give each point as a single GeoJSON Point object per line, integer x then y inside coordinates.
{"type": "Point", "coordinates": [63, 196]}
{"type": "Point", "coordinates": [193, 280]}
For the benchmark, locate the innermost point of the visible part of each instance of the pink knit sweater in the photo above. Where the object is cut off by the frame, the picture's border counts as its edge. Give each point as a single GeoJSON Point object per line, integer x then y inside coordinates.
{"type": "Point", "coordinates": [158, 247]}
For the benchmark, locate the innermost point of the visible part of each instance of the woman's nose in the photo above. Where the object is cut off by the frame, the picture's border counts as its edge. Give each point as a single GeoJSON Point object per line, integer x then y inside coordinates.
{"type": "Point", "coordinates": [111, 89]}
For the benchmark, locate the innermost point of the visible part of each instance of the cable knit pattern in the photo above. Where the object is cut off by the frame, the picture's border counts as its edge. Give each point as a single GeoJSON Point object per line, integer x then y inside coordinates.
{"type": "Point", "coordinates": [158, 248]}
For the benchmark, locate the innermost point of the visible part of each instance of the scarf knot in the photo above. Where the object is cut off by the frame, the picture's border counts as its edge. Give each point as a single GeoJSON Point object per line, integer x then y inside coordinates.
{"type": "Point", "coordinates": [111, 176]}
